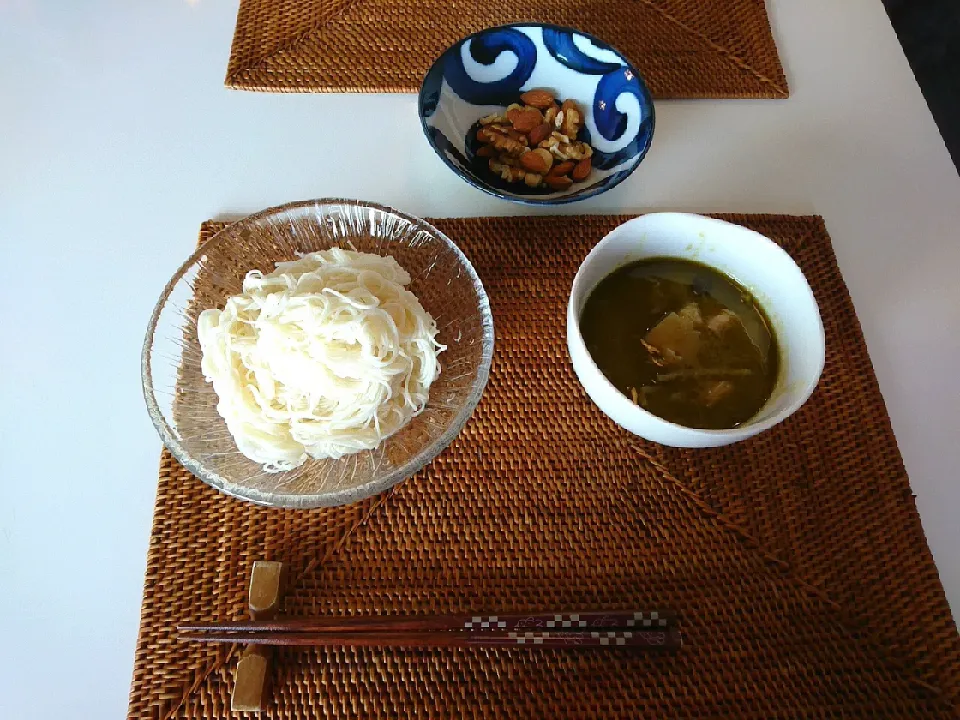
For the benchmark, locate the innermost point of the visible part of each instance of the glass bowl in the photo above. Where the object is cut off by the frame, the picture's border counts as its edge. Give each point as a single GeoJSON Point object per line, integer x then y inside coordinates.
{"type": "Point", "coordinates": [183, 405]}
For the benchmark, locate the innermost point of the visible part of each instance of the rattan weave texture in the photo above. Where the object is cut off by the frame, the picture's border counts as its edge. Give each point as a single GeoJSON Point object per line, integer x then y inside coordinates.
{"type": "Point", "coordinates": [796, 560]}
{"type": "Point", "coordinates": [683, 48]}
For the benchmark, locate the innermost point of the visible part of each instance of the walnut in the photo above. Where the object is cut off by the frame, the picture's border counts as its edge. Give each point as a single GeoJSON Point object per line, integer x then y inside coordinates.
{"type": "Point", "coordinates": [513, 174]}
{"type": "Point", "coordinates": [490, 119]}
{"type": "Point", "coordinates": [502, 138]}
{"type": "Point", "coordinates": [532, 179]}
{"type": "Point", "coordinates": [572, 119]}
{"type": "Point", "coordinates": [562, 148]}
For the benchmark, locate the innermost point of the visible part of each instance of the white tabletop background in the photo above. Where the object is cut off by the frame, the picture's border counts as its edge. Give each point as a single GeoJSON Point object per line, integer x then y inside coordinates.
{"type": "Point", "coordinates": [118, 138]}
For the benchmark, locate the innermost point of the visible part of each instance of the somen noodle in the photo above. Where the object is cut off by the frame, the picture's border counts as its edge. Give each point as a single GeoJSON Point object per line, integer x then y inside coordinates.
{"type": "Point", "coordinates": [326, 355]}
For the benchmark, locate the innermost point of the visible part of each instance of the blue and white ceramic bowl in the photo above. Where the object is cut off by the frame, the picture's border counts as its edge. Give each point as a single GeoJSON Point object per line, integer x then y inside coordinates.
{"type": "Point", "coordinates": [485, 72]}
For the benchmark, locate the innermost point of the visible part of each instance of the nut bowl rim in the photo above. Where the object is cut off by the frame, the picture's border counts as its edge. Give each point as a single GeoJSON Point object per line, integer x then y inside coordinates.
{"type": "Point", "coordinates": [341, 496]}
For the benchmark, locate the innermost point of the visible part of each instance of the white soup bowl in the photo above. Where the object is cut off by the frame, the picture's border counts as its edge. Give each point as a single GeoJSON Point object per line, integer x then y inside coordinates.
{"type": "Point", "coordinates": [756, 263]}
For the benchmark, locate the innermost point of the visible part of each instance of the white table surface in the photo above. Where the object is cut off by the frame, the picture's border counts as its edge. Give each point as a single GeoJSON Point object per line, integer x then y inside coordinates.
{"type": "Point", "coordinates": [117, 138]}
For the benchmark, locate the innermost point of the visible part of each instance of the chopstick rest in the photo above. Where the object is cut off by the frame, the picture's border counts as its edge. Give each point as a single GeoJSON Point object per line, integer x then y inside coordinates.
{"type": "Point", "coordinates": [252, 682]}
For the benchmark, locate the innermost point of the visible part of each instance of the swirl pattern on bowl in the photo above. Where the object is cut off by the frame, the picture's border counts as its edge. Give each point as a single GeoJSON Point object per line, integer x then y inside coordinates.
{"type": "Point", "coordinates": [485, 72]}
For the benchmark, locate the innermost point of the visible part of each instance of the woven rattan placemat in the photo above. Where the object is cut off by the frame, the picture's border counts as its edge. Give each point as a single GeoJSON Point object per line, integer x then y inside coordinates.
{"type": "Point", "coordinates": [796, 560]}
{"type": "Point", "coordinates": [683, 48]}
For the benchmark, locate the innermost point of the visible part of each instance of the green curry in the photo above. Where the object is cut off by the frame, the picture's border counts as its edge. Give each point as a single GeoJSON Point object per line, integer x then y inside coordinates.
{"type": "Point", "coordinates": [683, 341]}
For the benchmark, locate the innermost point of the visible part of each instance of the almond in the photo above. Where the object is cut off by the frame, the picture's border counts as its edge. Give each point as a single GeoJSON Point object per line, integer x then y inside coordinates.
{"type": "Point", "coordinates": [581, 170]}
{"type": "Point", "coordinates": [540, 133]}
{"type": "Point", "coordinates": [513, 114]}
{"type": "Point", "coordinates": [561, 182]}
{"type": "Point", "coordinates": [486, 151]}
{"type": "Point", "coordinates": [540, 99]}
{"type": "Point", "coordinates": [561, 169]}
{"type": "Point", "coordinates": [527, 120]}
{"type": "Point", "coordinates": [538, 161]}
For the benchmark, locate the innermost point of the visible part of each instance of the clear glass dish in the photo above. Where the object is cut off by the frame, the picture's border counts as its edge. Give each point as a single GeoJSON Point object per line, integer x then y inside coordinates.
{"type": "Point", "coordinates": [183, 405]}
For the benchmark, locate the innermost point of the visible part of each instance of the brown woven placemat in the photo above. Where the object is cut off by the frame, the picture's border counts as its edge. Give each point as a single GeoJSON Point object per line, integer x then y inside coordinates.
{"type": "Point", "coordinates": [796, 560]}
{"type": "Point", "coordinates": [683, 48]}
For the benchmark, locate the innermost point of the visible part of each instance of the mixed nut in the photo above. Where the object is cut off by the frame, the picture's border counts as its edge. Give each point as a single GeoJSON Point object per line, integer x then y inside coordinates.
{"type": "Point", "coordinates": [534, 142]}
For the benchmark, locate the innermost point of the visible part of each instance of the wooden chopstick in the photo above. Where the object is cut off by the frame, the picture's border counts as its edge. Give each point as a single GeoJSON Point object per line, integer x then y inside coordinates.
{"type": "Point", "coordinates": [511, 622]}
{"type": "Point", "coordinates": [660, 639]}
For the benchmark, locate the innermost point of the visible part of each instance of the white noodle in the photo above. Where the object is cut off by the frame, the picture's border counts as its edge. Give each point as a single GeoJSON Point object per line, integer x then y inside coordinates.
{"type": "Point", "coordinates": [325, 356]}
